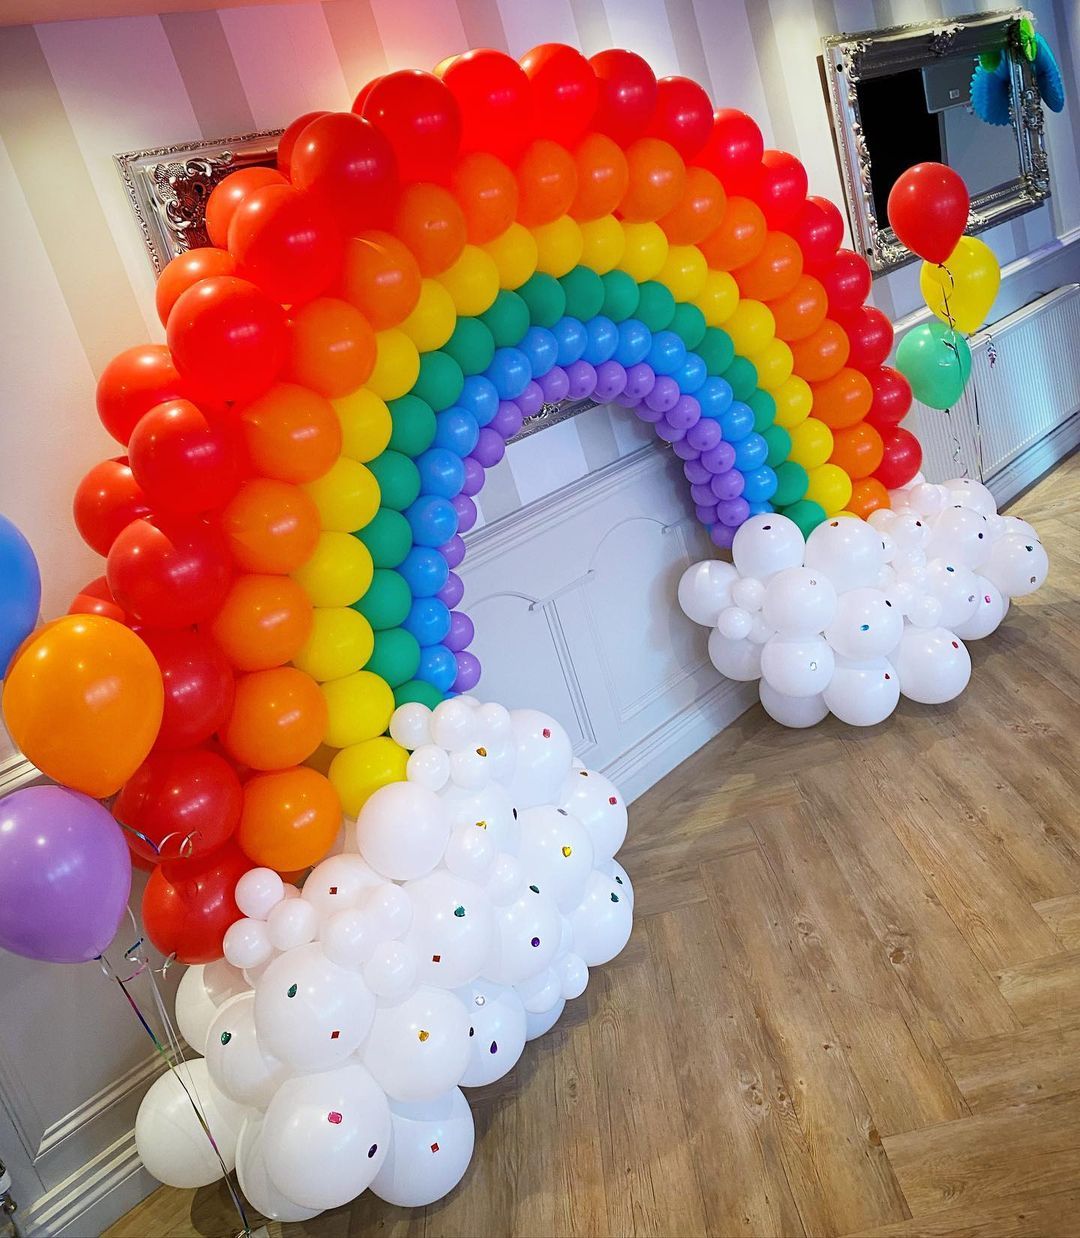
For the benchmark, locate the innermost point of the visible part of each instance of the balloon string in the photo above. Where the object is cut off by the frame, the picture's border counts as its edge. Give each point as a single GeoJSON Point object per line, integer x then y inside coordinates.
{"type": "Point", "coordinates": [187, 843]}
{"type": "Point", "coordinates": [950, 343]}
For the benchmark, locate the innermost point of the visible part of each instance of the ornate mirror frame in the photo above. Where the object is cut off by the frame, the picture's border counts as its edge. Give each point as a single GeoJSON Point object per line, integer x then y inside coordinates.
{"type": "Point", "coordinates": [851, 58]}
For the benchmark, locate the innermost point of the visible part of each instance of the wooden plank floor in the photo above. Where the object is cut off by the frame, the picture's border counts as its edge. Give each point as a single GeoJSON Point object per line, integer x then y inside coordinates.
{"type": "Point", "coordinates": [851, 1003]}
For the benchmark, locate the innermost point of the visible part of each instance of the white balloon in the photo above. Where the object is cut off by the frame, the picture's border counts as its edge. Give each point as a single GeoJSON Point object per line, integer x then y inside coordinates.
{"type": "Point", "coordinates": [799, 601]}
{"type": "Point", "coordinates": [734, 623]}
{"type": "Point", "coordinates": [737, 659]}
{"type": "Point", "coordinates": [390, 910]}
{"type": "Point", "coordinates": [340, 881]}
{"type": "Point", "coordinates": [909, 531]}
{"type": "Point", "coordinates": [291, 891]}
{"type": "Point", "coordinates": [909, 564]}
{"type": "Point", "coordinates": [602, 920]}
{"type": "Point", "coordinates": [453, 725]}
{"type": "Point", "coordinates": [490, 808]}
{"type": "Point", "coordinates": [972, 494]}
{"type": "Point", "coordinates": [430, 1151]}
{"type": "Point", "coordinates": [428, 766]}
{"type": "Point", "coordinates": [766, 544]}
{"type": "Point", "coordinates": [169, 1136]}
{"type": "Point", "coordinates": [235, 1059]}
{"type": "Point", "coordinates": [748, 593]}
{"type": "Point", "coordinates": [471, 851]}
{"type": "Point", "coordinates": [990, 609]}
{"type": "Point", "coordinates": [254, 1181]}
{"type": "Point", "coordinates": [863, 693]}
{"type": "Point", "coordinates": [801, 666]}
{"type": "Point", "coordinates": [390, 973]}
{"type": "Point", "coordinates": [496, 1031]}
{"type": "Point", "coordinates": [402, 830]}
{"type": "Point", "coordinates": [954, 587]}
{"type": "Point", "coordinates": [1013, 524]}
{"type": "Point", "coordinates": [470, 767]}
{"type": "Point", "coordinates": [556, 853]}
{"type": "Point", "coordinates": [504, 884]}
{"type": "Point", "coordinates": [882, 519]}
{"type": "Point", "coordinates": [348, 937]}
{"type": "Point", "coordinates": [924, 612]}
{"type": "Point", "coordinates": [760, 631]}
{"type": "Point", "coordinates": [420, 1047]}
{"type": "Point", "coordinates": [544, 754]}
{"type": "Point", "coordinates": [849, 552]}
{"type": "Point", "coordinates": [927, 499]}
{"type": "Point", "coordinates": [258, 892]}
{"type": "Point", "coordinates": [410, 725]}
{"type": "Point", "coordinates": [539, 993]}
{"type": "Point", "coordinates": [596, 803]}
{"type": "Point", "coordinates": [201, 992]}
{"type": "Point", "coordinates": [452, 931]}
{"type": "Point", "coordinates": [537, 1025]}
{"type": "Point", "coordinates": [493, 723]}
{"type": "Point", "coordinates": [1017, 565]}
{"type": "Point", "coordinates": [960, 536]}
{"type": "Point", "coordinates": [292, 923]}
{"type": "Point", "coordinates": [705, 589]}
{"type": "Point", "coordinates": [528, 937]}
{"type": "Point", "coordinates": [933, 665]}
{"type": "Point", "coordinates": [621, 877]}
{"type": "Point", "coordinates": [573, 974]}
{"type": "Point", "coordinates": [867, 625]}
{"type": "Point", "coordinates": [793, 711]}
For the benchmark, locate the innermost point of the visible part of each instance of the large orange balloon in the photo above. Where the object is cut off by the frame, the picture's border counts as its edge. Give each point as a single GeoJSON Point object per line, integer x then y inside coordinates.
{"type": "Point", "coordinates": [801, 311]}
{"type": "Point", "coordinates": [278, 719]}
{"type": "Point", "coordinates": [487, 194]}
{"type": "Point", "coordinates": [774, 272]}
{"type": "Point", "coordinates": [290, 818]}
{"type": "Point", "coordinates": [263, 622]}
{"type": "Point", "coordinates": [602, 177]}
{"type": "Point", "coordinates": [187, 269]}
{"type": "Point", "coordinates": [821, 354]}
{"type": "Point", "coordinates": [858, 450]}
{"type": "Point", "coordinates": [867, 495]}
{"type": "Point", "coordinates": [228, 194]}
{"type": "Point", "coordinates": [431, 223]}
{"type": "Point", "coordinates": [381, 278]}
{"type": "Point", "coordinates": [291, 433]}
{"type": "Point", "coordinates": [843, 400]}
{"type": "Point", "coordinates": [738, 238]}
{"type": "Point", "coordinates": [698, 212]}
{"type": "Point", "coordinates": [657, 180]}
{"type": "Point", "coordinates": [270, 526]}
{"type": "Point", "coordinates": [547, 183]}
{"type": "Point", "coordinates": [83, 699]}
{"type": "Point", "coordinates": [331, 347]}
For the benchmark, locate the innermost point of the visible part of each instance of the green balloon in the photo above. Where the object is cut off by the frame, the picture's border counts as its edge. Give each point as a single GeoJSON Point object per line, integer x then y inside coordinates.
{"type": "Point", "coordinates": [413, 425]}
{"type": "Point", "coordinates": [471, 346]}
{"type": "Point", "coordinates": [396, 656]}
{"type": "Point", "coordinates": [742, 376]}
{"type": "Point", "coordinates": [398, 478]}
{"type": "Point", "coordinates": [936, 361]}
{"type": "Point", "coordinates": [779, 445]}
{"type": "Point", "coordinates": [440, 381]}
{"type": "Point", "coordinates": [584, 293]}
{"type": "Point", "coordinates": [417, 690]}
{"type": "Point", "coordinates": [688, 323]}
{"type": "Point", "coordinates": [656, 305]}
{"type": "Point", "coordinates": [507, 319]}
{"type": "Point", "coordinates": [764, 407]}
{"type": "Point", "coordinates": [387, 600]}
{"type": "Point", "coordinates": [545, 298]}
{"type": "Point", "coordinates": [716, 350]}
{"type": "Point", "coordinates": [806, 513]}
{"type": "Point", "coordinates": [791, 483]}
{"type": "Point", "coordinates": [388, 537]}
{"type": "Point", "coordinates": [620, 295]}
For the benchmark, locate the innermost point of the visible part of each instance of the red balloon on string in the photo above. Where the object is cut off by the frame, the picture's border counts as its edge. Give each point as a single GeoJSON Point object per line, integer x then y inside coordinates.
{"type": "Point", "coordinates": [780, 188]}
{"type": "Point", "coordinates": [420, 117]}
{"type": "Point", "coordinates": [627, 95]}
{"type": "Point", "coordinates": [733, 150]}
{"type": "Point", "coordinates": [170, 572]}
{"type": "Point", "coordinates": [95, 598]}
{"type": "Point", "coordinates": [350, 167]}
{"type": "Point", "coordinates": [564, 92]}
{"type": "Point", "coordinates": [683, 115]}
{"type": "Point", "coordinates": [228, 194]}
{"type": "Point", "coordinates": [870, 335]}
{"type": "Point", "coordinates": [847, 280]}
{"type": "Point", "coordinates": [134, 381]}
{"type": "Point", "coordinates": [185, 461]}
{"type": "Point", "coordinates": [198, 681]}
{"type": "Point", "coordinates": [107, 500]}
{"type": "Point", "coordinates": [186, 803]}
{"type": "Point", "coordinates": [819, 229]}
{"type": "Point", "coordinates": [891, 397]}
{"type": "Point", "coordinates": [901, 460]}
{"type": "Point", "coordinates": [228, 338]}
{"type": "Point", "coordinates": [188, 904]}
{"type": "Point", "coordinates": [287, 142]}
{"type": "Point", "coordinates": [928, 210]}
{"type": "Point", "coordinates": [493, 98]}
{"type": "Point", "coordinates": [187, 269]}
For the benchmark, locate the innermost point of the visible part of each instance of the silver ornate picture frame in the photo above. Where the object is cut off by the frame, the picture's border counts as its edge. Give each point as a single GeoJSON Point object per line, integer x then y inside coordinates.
{"type": "Point", "coordinates": [849, 59]}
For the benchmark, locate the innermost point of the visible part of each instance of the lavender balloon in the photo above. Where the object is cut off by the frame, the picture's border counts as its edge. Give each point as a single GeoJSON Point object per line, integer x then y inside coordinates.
{"type": "Point", "coordinates": [468, 672]}
{"type": "Point", "coordinates": [704, 434]}
{"type": "Point", "coordinates": [651, 415]}
{"type": "Point", "coordinates": [461, 632]}
{"type": "Point", "coordinates": [507, 421]}
{"type": "Point", "coordinates": [639, 380]}
{"type": "Point", "coordinates": [453, 591]}
{"type": "Point", "coordinates": [669, 433]}
{"type": "Point", "coordinates": [474, 476]}
{"type": "Point", "coordinates": [684, 413]}
{"type": "Point", "coordinates": [582, 379]}
{"type": "Point", "coordinates": [555, 385]}
{"type": "Point", "coordinates": [453, 551]}
{"type": "Point", "coordinates": [531, 400]}
{"type": "Point", "coordinates": [732, 512]}
{"type": "Point", "coordinates": [625, 400]}
{"type": "Point", "coordinates": [466, 512]}
{"type": "Point", "coordinates": [664, 394]}
{"type": "Point", "coordinates": [705, 512]}
{"type": "Point", "coordinates": [696, 473]}
{"type": "Point", "coordinates": [610, 381]}
{"type": "Point", "coordinates": [685, 451]}
{"type": "Point", "coordinates": [702, 495]}
{"type": "Point", "coordinates": [719, 459]}
{"type": "Point", "coordinates": [722, 535]}
{"type": "Point", "coordinates": [490, 447]}
{"type": "Point", "coordinates": [728, 485]}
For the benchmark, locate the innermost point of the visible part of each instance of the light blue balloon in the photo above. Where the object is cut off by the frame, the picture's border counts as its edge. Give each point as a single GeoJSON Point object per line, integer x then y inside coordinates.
{"type": "Point", "coordinates": [20, 591]}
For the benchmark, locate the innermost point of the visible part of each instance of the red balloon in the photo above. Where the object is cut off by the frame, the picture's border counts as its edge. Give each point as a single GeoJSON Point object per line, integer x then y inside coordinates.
{"type": "Point", "coordinates": [107, 500]}
{"type": "Point", "coordinates": [420, 117]}
{"type": "Point", "coordinates": [349, 166]}
{"type": "Point", "coordinates": [847, 280]}
{"type": "Point", "coordinates": [683, 115]}
{"type": "Point", "coordinates": [870, 334]}
{"type": "Point", "coordinates": [733, 150]}
{"type": "Point", "coordinates": [493, 98]}
{"type": "Point", "coordinates": [95, 598]}
{"type": "Point", "coordinates": [780, 188]}
{"type": "Point", "coordinates": [564, 92]}
{"type": "Point", "coordinates": [198, 683]}
{"type": "Point", "coordinates": [627, 94]}
{"type": "Point", "coordinates": [891, 398]}
{"type": "Point", "coordinates": [187, 269]}
{"type": "Point", "coordinates": [228, 194]}
{"type": "Point", "coordinates": [186, 804]}
{"type": "Point", "coordinates": [132, 382]}
{"type": "Point", "coordinates": [185, 461]}
{"type": "Point", "coordinates": [170, 572]}
{"type": "Point", "coordinates": [902, 458]}
{"type": "Point", "coordinates": [228, 338]}
{"type": "Point", "coordinates": [188, 904]}
{"type": "Point", "coordinates": [819, 229]}
{"type": "Point", "coordinates": [928, 210]}
{"type": "Point", "coordinates": [287, 142]}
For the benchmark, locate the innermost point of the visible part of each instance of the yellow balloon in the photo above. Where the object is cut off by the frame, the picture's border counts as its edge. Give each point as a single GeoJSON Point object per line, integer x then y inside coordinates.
{"type": "Point", "coordinates": [845, 515]}
{"type": "Point", "coordinates": [684, 272]}
{"type": "Point", "coordinates": [433, 320]}
{"type": "Point", "coordinates": [645, 252]}
{"type": "Point", "coordinates": [365, 424]}
{"type": "Point", "coordinates": [340, 643]}
{"type": "Point", "coordinates": [347, 496]}
{"type": "Point", "coordinates": [514, 253]}
{"type": "Point", "coordinates": [472, 282]}
{"type": "Point", "coordinates": [603, 243]}
{"type": "Point", "coordinates": [794, 400]}
{"type": "Point", "coordinates": [830, 486]}
{"type": "Point", "coordinates": [964, 286]}
{"type": "Point", "coordinates": [339, 571]}
{"type": "Point", "coordinates": [774, 364]}
{"type": "Point", "coordinates": [751, 327]}
{"type": "Point", "coordinates": [361, 769]}
{"type": "Point", "coordinates": [558, 246]}
{"type": "Point", "coordinates": [811, 443]}
{"type": "Point", "coordinates": [718, 297]}
{"type": "Point", "coordinates": [358, 707]}
{"type": "Point", "coordinates": [397, 364]}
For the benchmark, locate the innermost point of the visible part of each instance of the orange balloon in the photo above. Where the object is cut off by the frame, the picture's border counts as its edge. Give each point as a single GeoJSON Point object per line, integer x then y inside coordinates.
{"type": "Point", "coordinates": [431, 222]}
{"type": "Point", "coordinates": [801, 311]}
{"type": "Point", "coordinates": [381, 278]}
{"type": "Point", "coordinates": [289, 819]}
{"type": "Point", "coordinates": [843, 400]}
{"type": "Point", "coordinates": [227, 195]}
{"type": "Point", "coordinates": [657, 180]}
{"type": "Point", "coordinates": [738, 238]}
{"type": "Point", "coordinates": [83, 699]}
{"type": "Point", "coordinates": [602, 177]}
{"type": "Point", "coordinates": [858, 450]}
{"type": "Point", "coordinates": [774, 272]}
{"type": "Point", "coordinates": [263, 622]}
{"type": "Point", "coordinates": [187, 269]}
{"type": "Point", "coordinates": [291, 433]}
{"type": "Point", "coordinates": [547, 182]}
{"type": "Point", "coordinates": [270, 526]}
{"type": "Point", "coordinates": [867, 495]}
{"type": "Point", "coordinates": [698, 212]}
{"type": "Point", "coordinates": [487, 194]}
{"type": "Point", "coordinates": [278, 719]}
{"type": "Point", "coordinates": [822, 353]}
{"type": "Point", "coordinates": [331, 347]}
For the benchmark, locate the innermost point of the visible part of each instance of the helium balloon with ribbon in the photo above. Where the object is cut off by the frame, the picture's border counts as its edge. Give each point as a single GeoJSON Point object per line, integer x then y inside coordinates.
{"type": "Point", "coordinates": [936, 361]}
{"type": "Point", "coordinates": [928, 210]}
{"type": "Point", "coordinates": [962, 289]}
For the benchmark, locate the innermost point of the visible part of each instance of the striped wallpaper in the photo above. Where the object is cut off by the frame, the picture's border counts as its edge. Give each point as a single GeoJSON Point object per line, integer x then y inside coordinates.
{"type": "Point", "coordinates": [77, 286]}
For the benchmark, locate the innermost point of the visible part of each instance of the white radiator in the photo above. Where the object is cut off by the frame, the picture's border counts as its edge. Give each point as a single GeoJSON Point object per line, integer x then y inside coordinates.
{"type": "Point", "coordinates": [1025, 390]}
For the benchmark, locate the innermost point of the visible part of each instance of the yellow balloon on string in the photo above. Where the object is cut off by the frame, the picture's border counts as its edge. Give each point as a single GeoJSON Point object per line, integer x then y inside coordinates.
{"type": "Point", "coordinates": [964, 285]}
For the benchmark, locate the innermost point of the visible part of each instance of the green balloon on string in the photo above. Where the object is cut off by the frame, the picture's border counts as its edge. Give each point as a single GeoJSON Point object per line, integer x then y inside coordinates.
{"type": "Point", "coordinates": [413, 425]}
{"type": "Point", "coordinates": [764, 407]}
{"type": "Point", "coordinates": [716, 349]}
{"type": "Point", "coordinates": [387, 600]}
{"type": "Point", "coordinates": [584, 293]}
{"type": "Point", "coordinates": [742, 375]}
{"type": "Point", "coordinates": [396, 656]}
{"type": "Point", "coordinates": [791, 483]}
{"type": "Point", "coordinates": [936, 361]}
{"type": "Point", "coordinates": [656, 305]}
{"type": "Point", "coordinates": [779, 441]}
{"type": "Point", "coordinates": [388, 537]}
{"type": "Point", "coordinates": [620, 295]}
{"type": "Point", "coordinates": [398, 478]}
{"type": "Point", "coordinates": [806, 513]}
{"type": "Point", "coordinates": [471, 346]}
{"type": "Point", "coordinates": [440, 380]}
{"type": "Point", "coordinates": [688, 323]}
{"type": "Point", "coordinates": [545, 298]}
{"type": "Point", "coordinates": [507, 319]}
{"type": "Point", "coordinates": [417, 690]}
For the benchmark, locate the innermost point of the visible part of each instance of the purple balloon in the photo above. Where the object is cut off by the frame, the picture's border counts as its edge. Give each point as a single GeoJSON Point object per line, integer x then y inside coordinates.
{"type": "Point", "coordinates": [65, 875]}
{"type": "Point", "coordinates": [702, 495]}
{"type": "Point", "coordinates": [474, 476]}
{"type": "Point", "coordinates": [490, 447]}
{"type": "Point", "coordinates": [696, 473]}
{"type": "Point", "coordinates": [704, 434]}
{"type": "Point", "coordinates": [719, 459]}
{"type": "Point", "coordinates": [728, 485]}
{"type": "Point", "coordinates": [453, 551]}
{"type": "Point", "coordinates": [468, 672]}
{"type": "Point", "coordinates": [582, 378]}
{"type": "Point", "coordinates": [685, 451]}
{"type": "Point", "coordinates": [555, 385]}
{"type": "Point", "coordinates": [531, 400]}
{"type": "Point", "coordinates": [453, 591]}
{"type": "Point", "coordinates": [610, 381]}
{"type": "Point", "coordinates": [648, 414]}
{"type": "Point", "coordinates": [461, 632]}
{"type": "Point", "coordinates": [669, 433]}
{"type": "Point", "coordinates": [664, 394]}
{"type": "Point", "coordinates": [706, 513]}
{"type": "Point", "coordinates": [722, 536]}
{"type": "Point", "coordinates": [627, 401]}
{"type": "Point", "coordinates": [639, 380]}
{"type": "Point", "coordinates": [685, 413]}
{"type": "Point", "coordinates": [732, 512]}
{"type": "Point", "coordinates": [507, 421]}
{"type": "Point", "coordinates": [466, 512]}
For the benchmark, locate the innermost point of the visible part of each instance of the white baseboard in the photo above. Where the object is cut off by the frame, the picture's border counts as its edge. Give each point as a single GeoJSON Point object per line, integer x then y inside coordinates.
{"type": "Point", "coordinates": [1030, 465]}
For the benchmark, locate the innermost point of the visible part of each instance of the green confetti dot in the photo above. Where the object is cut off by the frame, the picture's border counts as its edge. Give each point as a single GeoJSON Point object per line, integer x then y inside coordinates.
{"type": "Point", "coordinates": [459, 911]}
{"type": "Point", "coordinates": [291, 990]}
{"type": "Point", "coordinates": [226, 1037]}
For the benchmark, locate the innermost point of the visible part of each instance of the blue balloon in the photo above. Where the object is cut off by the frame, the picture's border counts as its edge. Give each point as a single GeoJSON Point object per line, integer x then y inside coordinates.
{"type": "Point", "coordinates": [737, 422]}
{"type": "Point", "coordinates": [425, 571]}
{"type": "Point", "coordinates": [510, 372]}
{"type": "Point", "coordinates": [428, 620]}
{"type": "Point", "coordinates": [479, 397]}
{"type": "Point", "coordinates": [438, 667]}
{"type": "Point", "coordinates": [20, 591]}
{"type": "Point", "coordinates": [666, 353]}
{"type": "Point", "coordinates": [751, 452]}
{"type": "Point", "coordinates": [761, 508]}
{"type": "Point", "coordinates": [715, 397]}
{"type": "Point", "coordinates": [433, 520]}
{"type": "Point", "coordinates": [541, 348]}
{"type": "Point", "coordinates": [456, 430]}
{"type": "Point", "coordinates": [570, 339]}
{"type": "Point", "coordinates": [760, 484]}
{"type": "Point", "coordinates": [635, 340]}
{"type": "Point", "coordinates": [691, 375]}
{"type": "Point", "coordinates": [602, 338]}
{"type": "Point", "coordinates": [441, 472]}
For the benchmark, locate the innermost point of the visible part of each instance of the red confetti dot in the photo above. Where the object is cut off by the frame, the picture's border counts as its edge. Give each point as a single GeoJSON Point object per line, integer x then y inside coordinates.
{"type": "Point", "coordinates": [612, 799]}
{"type": "Point", "coordinates": [547, 732]}
{"type": "Point", "coordinates": [434, 1147]}
{"type": "Point", "coordinates": [956, 644]}
{"type": "Point", "coordinates": [334, 1118]}
{"type": "Point", "coordinates": [333, 889]}
{"type": "Point", "coordinates": [335, 1035]}
{"type": "Point", "coordinates": [436, 958]}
